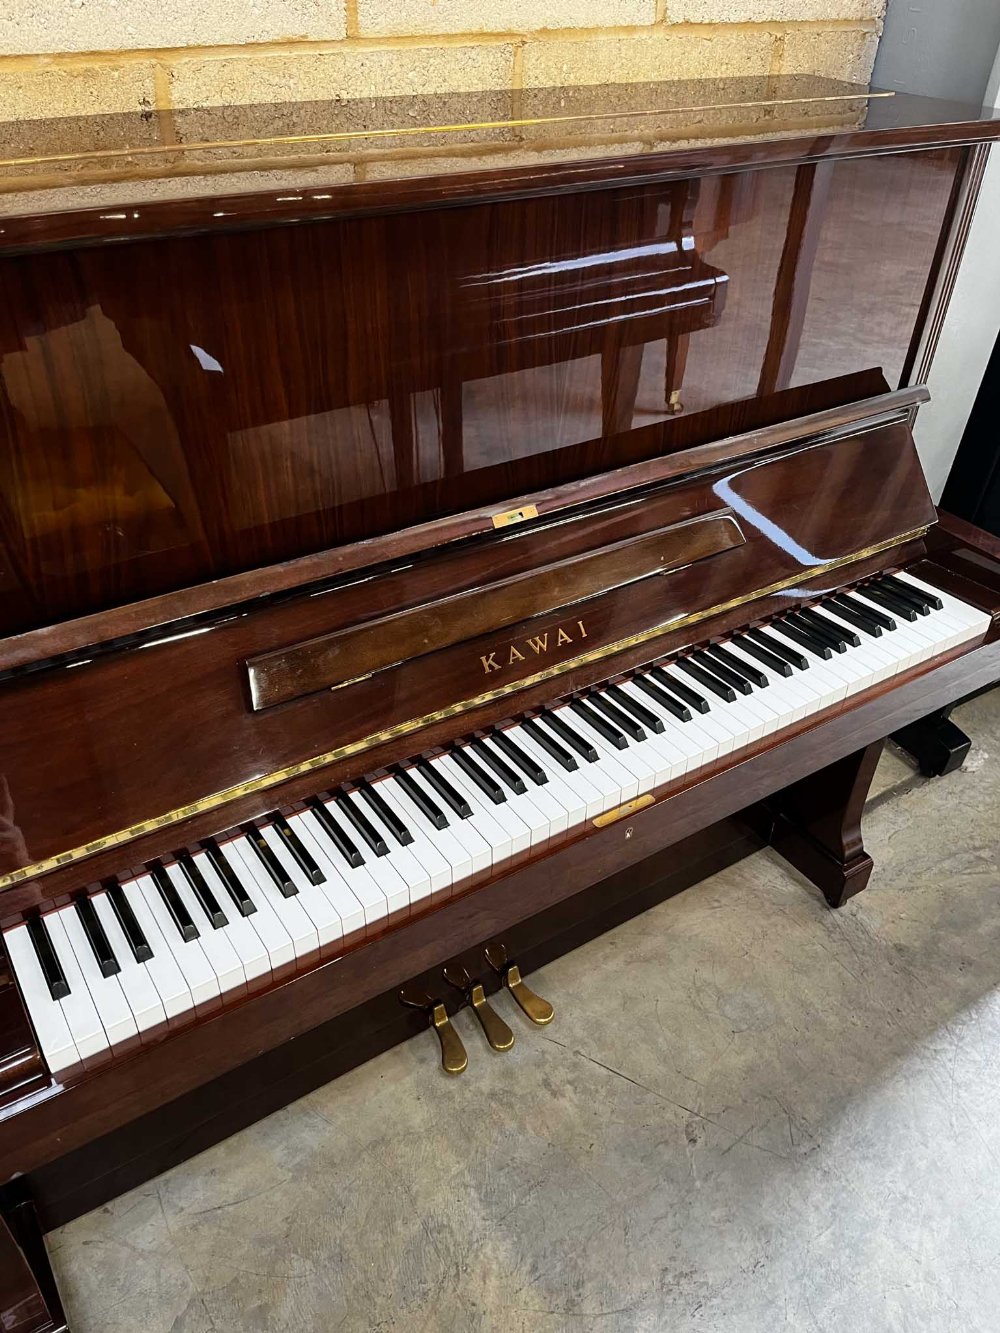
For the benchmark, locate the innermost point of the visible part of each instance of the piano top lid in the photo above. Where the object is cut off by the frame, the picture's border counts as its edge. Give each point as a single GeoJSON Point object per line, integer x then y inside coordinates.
{"type": "Point", "coordinates": [201, 168]}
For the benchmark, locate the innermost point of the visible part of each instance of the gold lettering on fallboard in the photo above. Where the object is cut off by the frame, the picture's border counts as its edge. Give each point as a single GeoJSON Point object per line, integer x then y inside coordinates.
{"type": "Point", "coordinates": [538, 645]}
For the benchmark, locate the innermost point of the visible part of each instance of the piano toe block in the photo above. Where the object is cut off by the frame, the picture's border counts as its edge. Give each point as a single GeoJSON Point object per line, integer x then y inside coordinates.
{"type": "Point", "coordinates": [817, 825]}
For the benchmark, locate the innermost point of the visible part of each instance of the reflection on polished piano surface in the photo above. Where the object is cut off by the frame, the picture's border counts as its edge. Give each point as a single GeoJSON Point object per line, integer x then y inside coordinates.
{"type": "Point", "coordinates": [424, 573]}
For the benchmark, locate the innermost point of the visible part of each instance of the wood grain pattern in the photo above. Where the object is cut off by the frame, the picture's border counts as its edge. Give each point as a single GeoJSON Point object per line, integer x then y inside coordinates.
{"type": "Point", "coordinates": [129, 726]}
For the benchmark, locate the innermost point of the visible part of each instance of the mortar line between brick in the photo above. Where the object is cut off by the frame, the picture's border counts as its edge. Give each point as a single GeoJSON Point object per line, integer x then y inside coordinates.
{"type": "Point", "coordinates": [322, 46]}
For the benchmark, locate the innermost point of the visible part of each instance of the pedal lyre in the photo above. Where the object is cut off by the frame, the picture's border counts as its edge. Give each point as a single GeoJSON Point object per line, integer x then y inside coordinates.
{"type": "Point", "coordinates": [453, 1055]}
{"type": "Point", "coordinates": [533, 1006]}
{"type": "Point", "coordinates": [496, 1031]}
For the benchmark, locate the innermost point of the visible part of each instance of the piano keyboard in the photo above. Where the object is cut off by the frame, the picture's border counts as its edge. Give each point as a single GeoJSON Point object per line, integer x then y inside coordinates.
{"type": "Point", "coordinates": [119, 965]}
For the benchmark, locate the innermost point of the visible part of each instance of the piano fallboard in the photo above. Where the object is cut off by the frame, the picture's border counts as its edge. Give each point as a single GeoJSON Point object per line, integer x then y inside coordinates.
{"type": "Point", "coordinates": [155, 732]}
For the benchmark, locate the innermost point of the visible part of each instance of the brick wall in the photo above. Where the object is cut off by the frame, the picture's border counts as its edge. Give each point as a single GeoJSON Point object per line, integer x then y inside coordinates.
{"type": "Point", "coordinates": [72, 57]}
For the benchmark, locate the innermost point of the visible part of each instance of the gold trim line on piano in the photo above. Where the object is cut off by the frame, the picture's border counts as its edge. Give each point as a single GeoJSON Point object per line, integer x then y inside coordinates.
{"type": "Point", "coordinates": [219, 799]}
{"type": "Point", "coordinates": [341, 136]}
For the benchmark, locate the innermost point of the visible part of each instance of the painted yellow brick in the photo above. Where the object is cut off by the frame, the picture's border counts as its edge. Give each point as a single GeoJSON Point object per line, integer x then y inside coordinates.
{"type": "Point", "coordinates": [841, 53]}
{"type": "Point", "coordinates": [771, 11]}
{"type": "Point", "coordinates": [642, 58]}
{"type": "Point", "coordinates": [348, 73]}
{"type": "Point", "coordinates": [128, 25]}
{"type": "Point", "coordinates": [384, 18]}
{"type": "Point", "coordinates": [48, 91]}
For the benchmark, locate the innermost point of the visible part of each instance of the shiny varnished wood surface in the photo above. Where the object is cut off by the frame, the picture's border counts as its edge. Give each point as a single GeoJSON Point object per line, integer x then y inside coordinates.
{"type": "Point", "coordinates": [179, 410]}
{"type": "Point", "coordinates": [144, 731]}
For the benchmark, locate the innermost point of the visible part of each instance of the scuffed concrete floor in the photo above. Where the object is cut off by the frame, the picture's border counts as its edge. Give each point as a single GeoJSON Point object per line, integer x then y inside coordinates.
{"type": "Point", "coordinates": [750, 1113]}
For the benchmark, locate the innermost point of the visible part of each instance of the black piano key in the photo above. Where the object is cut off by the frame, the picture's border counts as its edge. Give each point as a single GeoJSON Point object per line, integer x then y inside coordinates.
{"type": "Point", "coordinates": [771, 660]}
{"type": "Point", "coordinates": [265, 855]}
{"type": "Point", "coordinates": [337, 835]}
{"type": "Point", "coordinates": [660, 696]}
{"type": "Point", "coordinates": [200, 888]}
{"type": "Point", "coordinates": [907, 593]}
{"type": "Point", "coordinates": [583, 747]}
{"type": "Point", "coordinates": [683, 692]}
{"type": "Point", "coordinates": [517, 756]}
{"type": "Point", "coordinates": [550, 745]}
{"type": "Point", "coordinates": [432, 775]}
{"type": "Point", "coordinates": [706, 678]}
{"type": "Point", "coordinates": [500, 767]}
{"type": "Point", "coordinates": [832, 632]}
{"type": "Point", "coordinates": [479, 776]}
{"type": "Point", "coordinates": [387, 815]}
{"type": "Point", "coordinates": [775, 645]}
{"type": "Point", "coordinates": [618, 717]}
{"type": "Point", "coordinates": [866, 609]}
{"type": "Point", "coordinates": [421, 798]}
{"type": "Point", "coordinates": [362, 824]}
{"type": "Point", "coordinates": [245, 905]}
{"type": "Point", "coordinates": [856, 617]}
{"type": "Point", "coordinates": [901, 586]}
{"type": "Point", "coordinates": [737, 664]}
{"type": "Point", "coordinates": [301, 855]}
{"type": "Point", "coordinates": [818, 647]}
{"type": "Point", "coordinates": [627, 704]}
{"type": "Point", "coordinates": [835, 627]}
{"type": "Point", "coordinates": [97, 939]}
{"type": "Point", "coordinates": [600, 724]}
{"type": "Point", "coordinates": [891, 603]}
{"type": "Point", "coordinates": [818, 632]}
{"type": "Point", "coordinates": [172, 901]}
{"type": "Point", "coordinates": [714, 667]}
{"type": "Point", "coordinates": [52, 971]}
{"type": "Point", "coordinates": [129, 922]}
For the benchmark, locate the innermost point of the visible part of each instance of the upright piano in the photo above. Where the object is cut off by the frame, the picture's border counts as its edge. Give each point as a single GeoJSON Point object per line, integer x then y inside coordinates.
{"type": "Point", "coordinates": [423, 557]}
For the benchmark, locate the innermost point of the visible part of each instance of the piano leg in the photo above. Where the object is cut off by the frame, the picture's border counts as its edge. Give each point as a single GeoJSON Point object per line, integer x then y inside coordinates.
{"type": "Point", "coordinates": [620, 369]}
{"type": "Point", "coordinates": [676, 364]}
{"type": "Point", "coordinates": [817, 825]}
{"type": "Point", "coordinates": [29, 1298]}
{"type": "Point", "coordinates": [937, 745]}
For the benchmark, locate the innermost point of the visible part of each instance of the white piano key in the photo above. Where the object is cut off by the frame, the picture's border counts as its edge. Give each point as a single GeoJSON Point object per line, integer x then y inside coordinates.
{"type": "Point", "coordinates": [239, 931]}
{"type": "Point", "coordinates": [421, 848]}
{"type": "Point", "coordinates": [467, 834]}
{"type": "Point", "coordinates": [353, 890]}
{"type": "Point", "coordinates": [166, 976]}
{"type": "Point", "coordinates": [625, 782]}
{"type": "Point", "coordinates": [136, 982]}
{"type": "Point", "coordinates": [540, 795]}
{"type": "Point", "coordinates": [269, 929]}
{"type": "Point", "coordinates": [524, 804]}
{"type": "Point", "coordinates": [318, 906]}
{"type": "Point", "coordinates": [216, 946]}
{"type": "Point", "coordinates": [298, 924]}
{"type": "Point", "coordinates": [47, 1018]}
{"type": "Point", "coordinates": [106, 992]}
{"type": "Point", "coordinates": [443, 840]}
{"type": "Point", "coordinates": [971, 616]}
{"type": "Point", "coordinates": [571, 787]}
{"type": "Point", "coordinates": [513, 826]}
{"type": "Point", "coordinates": [187, 954]}
{"type": "Point", "coordinates": [694, 747]}
{"type": "Point", "coordinates": [499, 840]}
{"type": "Point", "coordinates": [78, 1007]}
{"type": "Point", "coordinates": [400, 861]}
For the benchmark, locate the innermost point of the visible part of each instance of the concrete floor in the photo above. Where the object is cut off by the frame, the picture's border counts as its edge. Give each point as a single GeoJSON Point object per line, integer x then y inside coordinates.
{"type": "Point", "coordinates": [750, 1113]}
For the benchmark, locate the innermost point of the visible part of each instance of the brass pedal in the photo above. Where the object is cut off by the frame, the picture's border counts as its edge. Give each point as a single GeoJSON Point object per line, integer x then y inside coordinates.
{"type": "Point", "coordinates": [533, 1006]}
{"type": "Point", "coordinates": [496, 1031]}
{"type": "Point", "coordinates": [453, 1055]}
